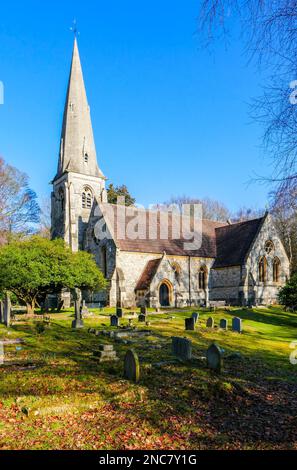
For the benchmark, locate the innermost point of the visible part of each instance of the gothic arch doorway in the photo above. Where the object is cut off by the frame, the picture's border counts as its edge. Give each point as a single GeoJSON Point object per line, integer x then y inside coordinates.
{"type": "Point", "coordinates": [164, 294]}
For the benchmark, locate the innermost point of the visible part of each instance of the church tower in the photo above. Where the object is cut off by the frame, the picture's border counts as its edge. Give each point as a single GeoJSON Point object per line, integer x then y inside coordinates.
{"type": "Point", "coordinates": [79, 182]}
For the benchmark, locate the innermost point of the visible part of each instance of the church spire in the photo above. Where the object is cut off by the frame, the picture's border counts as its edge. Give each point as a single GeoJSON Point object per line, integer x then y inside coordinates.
{"type": "Point", "coordinates": [77, 148]}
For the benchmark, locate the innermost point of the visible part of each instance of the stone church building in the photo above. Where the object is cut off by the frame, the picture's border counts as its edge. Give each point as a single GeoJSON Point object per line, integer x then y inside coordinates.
{"type": "Point", "coordinates": [242, 264]}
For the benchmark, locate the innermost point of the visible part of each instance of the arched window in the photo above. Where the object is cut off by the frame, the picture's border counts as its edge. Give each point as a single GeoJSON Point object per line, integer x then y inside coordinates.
{"type": "Point", "coordinates": [177, 270]}
{"type": "Point", "coordinates": [86, 199]}
{"type": "Point", "coordinates": [202, 277]}
{"type": "Point", "coordinates": [269, 247]}
{"type": "Point", "coordinates": [276, 269]}
{"type": "Point", "coordinates": [263, 269]}
{"type": "Point", "coordinates": [104, 260]}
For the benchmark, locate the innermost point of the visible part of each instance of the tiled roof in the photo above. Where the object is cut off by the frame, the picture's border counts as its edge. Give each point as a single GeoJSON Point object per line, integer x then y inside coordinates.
{"type": "Point", "coordinates": [148, 274]}
{"type": "Point", "coordinates": [234, 242]}
{"type": "Point", "coordinates": [170, 245]}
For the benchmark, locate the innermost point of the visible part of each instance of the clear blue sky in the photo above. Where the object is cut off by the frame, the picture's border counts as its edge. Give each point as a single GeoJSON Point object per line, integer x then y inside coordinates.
{"type": "Point", "coordinates": [169, 118]}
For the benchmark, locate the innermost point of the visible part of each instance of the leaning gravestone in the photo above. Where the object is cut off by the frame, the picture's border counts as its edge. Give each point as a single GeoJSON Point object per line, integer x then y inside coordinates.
{"type": "Point", "coordinates": [114, 320]}
{"type": "Point", "coordinates": [7, 310]}
{"type": "Point", "coordinates": [78, 322]}
{"type": "Point", "coordinates": [214, 358]}
{"type": "Point", "coordinates": [224, 324]}
{"type": "Point", "coordinates": [195, 315]}
{"type": "Point", "coordinates": [119, 312]}
{"type": "Point", "coordinates": [210, 322]}
{"type": "Point", "coordinates": [141, 318]}
{"type": "Point", "coordinates": [1, 312]}
{"type": "Point", "coordinates": [190, 324]}
{"type": "Point", "coordinates": [182, 347]}
{"type": "Point", "coordinates": [237, 325]}
{"type": "Point", "coordinates": [131, 366]}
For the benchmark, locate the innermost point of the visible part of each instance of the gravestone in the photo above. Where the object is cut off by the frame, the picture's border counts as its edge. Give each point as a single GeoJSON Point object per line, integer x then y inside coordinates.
{"type": "Point", "coordinates": [182, 347]}
{"type": "Point", "coordinates": [78, 322]}
{"type": "Point", "coordinates": [214, 358]}
{"type": "Point", "coordinates": [7, 310]}
{"type": "Point", "coordinates": [237, 325]}
{"type": "Point", "coordinates": [224, 324]}
{"type": "Point", "coordinates": [119, 312]}
{"type": "Point", "coordinates": [195, 315]}
{"type": "Point", "coordinates": [114, 320]}
{"type": "Point", "coordinates": [131, 366]}
{"type": "Point", "coordinates": [210, 322]}
{"type": "Point", "coordinates": [1, 312]}
{"type": "Point", "coordinates": [106, 353]}
{"type": "Point", "coordinates": [190, 324]}
{"type": "Point", "coordinates": [84, 309]}
{"type": "Point", "coordinates": [143, 310]}
{"type": "Point", "coordinates": [141, 318]}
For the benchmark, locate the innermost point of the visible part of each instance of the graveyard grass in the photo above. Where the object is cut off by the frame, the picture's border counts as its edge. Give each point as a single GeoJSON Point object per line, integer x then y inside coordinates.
{"type": "Point", "coordinates": [54, 395]}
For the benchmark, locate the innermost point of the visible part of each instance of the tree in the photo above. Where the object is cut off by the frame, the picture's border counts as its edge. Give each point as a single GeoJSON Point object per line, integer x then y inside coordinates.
{"type": "Point", "coordinates": [44, 229]}
{"type": "Point", "coordinates": [270, 30]}
{"type": "Point", "coordinates": [288, 294]}
{"type": "Point", "coordinates": [113, 192]}
{"type": "Point", "coordinates": [33, 268]}
{"type": "Point", "coordinates": [245, 213]}
{"type": "Point", "coordinates": [211, 209]}
{"type": "Point", "coordinates": [19, 210]}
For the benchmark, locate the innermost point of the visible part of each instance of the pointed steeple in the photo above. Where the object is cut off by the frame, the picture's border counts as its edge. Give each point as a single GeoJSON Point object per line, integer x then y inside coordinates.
{"type": "Point", "coordinates": [77, 148]}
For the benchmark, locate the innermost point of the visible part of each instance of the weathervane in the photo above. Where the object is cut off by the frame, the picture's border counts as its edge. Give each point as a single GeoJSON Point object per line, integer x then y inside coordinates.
{"type": "Point", "coordinates": [74, 29]}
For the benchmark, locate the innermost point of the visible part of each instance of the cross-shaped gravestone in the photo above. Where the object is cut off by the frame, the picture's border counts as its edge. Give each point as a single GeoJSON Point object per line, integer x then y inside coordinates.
{"type": "Point", "coordinates": [237, 325]}
{"type": "Point", "coordinates": [224, 324]}
{"type": "Point", "coordinates": [7, 310]}
{"type": "Point", "coordinates": [114, 320]}
{"type": "Point", "coordinates": [190, 324]}
{"type": "Point", "coordinates": [210, 322]}
{"type": "Point", "coordinates": [182, 347]}
{"type": "Point", "coordinates": [131, 366]}
{"type": "Point", "coordinates": [78, 322]}
{"type": "Point", "coordinates": [214, 358]}
{"type": "Point", "coordinates": [195, 315]}
{"type": "Point", "coordinates": [1, 312]}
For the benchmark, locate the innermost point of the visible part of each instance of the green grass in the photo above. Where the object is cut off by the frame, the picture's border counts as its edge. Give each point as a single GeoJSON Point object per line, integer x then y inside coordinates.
{"type": "Point", "coordinates": [54, 395]}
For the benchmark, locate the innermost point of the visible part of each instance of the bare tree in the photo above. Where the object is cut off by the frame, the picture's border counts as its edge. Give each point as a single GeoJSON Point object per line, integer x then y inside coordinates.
{"type": "Point", "coordinates": [19, 210]}
{"type": "Point", "coordinates": [269, 28]}
{"type": "Point", "coordinates": [247, 213]}
{"type": "Point", "coordinates": [211, 209]}
{"type": "Point", "coordinates": [45, 218]}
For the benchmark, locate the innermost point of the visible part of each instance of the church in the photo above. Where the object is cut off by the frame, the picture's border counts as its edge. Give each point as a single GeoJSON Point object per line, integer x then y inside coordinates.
{"type": "Point", "coordinates": [239, 264]}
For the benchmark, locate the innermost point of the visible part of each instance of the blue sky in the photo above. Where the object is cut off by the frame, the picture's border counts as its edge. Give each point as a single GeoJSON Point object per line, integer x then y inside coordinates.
{"type": "Point", "coordinates": [169, 117]}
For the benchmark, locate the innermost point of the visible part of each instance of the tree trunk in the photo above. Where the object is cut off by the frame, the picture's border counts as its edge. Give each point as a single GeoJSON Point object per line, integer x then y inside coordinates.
{"type": "Point", "coordinates": [31, 308]}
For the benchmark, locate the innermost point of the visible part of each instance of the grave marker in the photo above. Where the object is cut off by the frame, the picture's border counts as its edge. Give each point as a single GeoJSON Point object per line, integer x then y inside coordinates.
{"type": "Point", "coordinates": [214, 358]}
{"type": "Point", "coordinates": [131, 366]}
{"type": "Point", "coordinates": [224, 324]}
{"type": "Point", "coordinates": [141, 318]}
{"type": "Point", "coordinates": [210, 322]}
{"type": "Point", "coordinates": [182, 347]}
{"type": "Point", "coordinates": [237, 325]}
{"type": "Point", "coordinates": [195, 315]}
{"type": "Point", "coordinates": [114, 320]}
{"type": "Point", "coordinates": [190, 324]}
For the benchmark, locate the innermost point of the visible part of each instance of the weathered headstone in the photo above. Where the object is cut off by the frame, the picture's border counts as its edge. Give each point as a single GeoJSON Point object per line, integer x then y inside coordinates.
{"type": "Point", "coordinates": [224, 324]}
{"type": "Point", "coordinates": [114, 320]}
{"type": "Point", "coordinates": [141, 318]}
{"type": "Point", "coordinates": [190, 324]}
{"type": "Point", "coordinates": [7, 310]}
{"type": "Point", "coordinates": [143, 310]}
{"type": "Point", "coordinates": [210, 322]}
{"type": "Point", "coordinates": [237, 324]}
{"type": "Point", "coordinates": [1, 312]}
{"type": "Point", "coordinates": [106, 353]}
{"type": "Point", "coordinates": [195, 315]}
{"type": "Point", "coordinates": [119, 312]}
{"type": "Point", "coordinates": [84, 309]}
{"type": "Point", "coordinates": [78, 322]}
{"type": "Point", "coordinates": [214, 358]}
{"type": "Point", "coordinates": [131, 366]}
{"type": "Point", "coordinates": [182, 347]}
